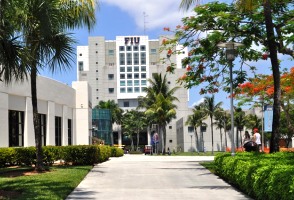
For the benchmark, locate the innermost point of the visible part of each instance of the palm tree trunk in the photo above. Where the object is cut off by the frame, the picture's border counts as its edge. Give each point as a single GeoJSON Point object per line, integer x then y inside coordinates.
{"type": "Point", "coordinates": [197, 140]}
{"type": "Point", "coordinates": [38, 139]}
{"type": "Point", "coordinates": [274, 142]}
{"type": "Point", "coordinates": [211, 123]}
{"type": "Point", "coordinates": [138, 138]}
{"type": "Point", "coordinates": [221, 139]}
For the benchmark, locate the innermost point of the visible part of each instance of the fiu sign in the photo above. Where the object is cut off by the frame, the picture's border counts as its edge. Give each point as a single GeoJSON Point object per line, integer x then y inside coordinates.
{"type": "Point", "coordinates": [132, 40]}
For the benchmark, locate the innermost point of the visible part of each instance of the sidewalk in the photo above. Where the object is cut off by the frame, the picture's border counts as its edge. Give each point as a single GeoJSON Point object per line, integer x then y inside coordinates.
{"type": "Point", "coordinates": [141, 177]}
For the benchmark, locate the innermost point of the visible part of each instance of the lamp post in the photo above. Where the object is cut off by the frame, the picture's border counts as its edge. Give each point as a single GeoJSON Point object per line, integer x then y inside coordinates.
{"type": "Point", "coordinates": [230, 55]}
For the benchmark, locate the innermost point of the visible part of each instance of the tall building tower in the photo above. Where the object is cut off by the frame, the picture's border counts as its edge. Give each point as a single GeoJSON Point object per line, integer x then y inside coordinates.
{"type": "Point", "coordinates": [119, 70]}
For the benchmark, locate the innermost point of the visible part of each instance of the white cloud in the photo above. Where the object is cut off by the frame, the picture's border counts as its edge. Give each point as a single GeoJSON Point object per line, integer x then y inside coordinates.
{"type": "Point", "coordinates": [198, 102]}
{"type": "Point", "coordinates": [159, 13]}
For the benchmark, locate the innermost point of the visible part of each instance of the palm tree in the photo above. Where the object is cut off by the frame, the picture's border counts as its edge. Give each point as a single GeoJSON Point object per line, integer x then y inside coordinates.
{"type": "Point", "coordinates": [221, 121]}
{"type": "Point", "coordinates": [239, 121]}
{"type": "Point", "coordinates": [273, 46]}
{"type": "Point", "coordinates": [210, 108]}
{"type": "Point", "coordinates": [252, 121]}
{"type": "Point", "coordinates": [158, 103]}
{"type": "Point", "coordinates": [115, 110]}
{"type": "Point", "coordinates": [162, 111]}
{"type": "Point", "coordinates": [196, 120]}
{"type": "Point", "coordinates": [41, 26]}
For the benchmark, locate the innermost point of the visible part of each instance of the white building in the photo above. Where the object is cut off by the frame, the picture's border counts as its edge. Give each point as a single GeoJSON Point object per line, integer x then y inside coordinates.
{"type": "Point", "coordinates": [119, 70]}
{"type": "Point", "coordinates": [65, 113]}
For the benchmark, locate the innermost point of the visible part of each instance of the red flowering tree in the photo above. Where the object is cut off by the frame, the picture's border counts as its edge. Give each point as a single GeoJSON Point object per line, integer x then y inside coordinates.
{"type": "Point", "coordinates": [262, 88]}
{"type": "Point", "coordinates": [269, 25]}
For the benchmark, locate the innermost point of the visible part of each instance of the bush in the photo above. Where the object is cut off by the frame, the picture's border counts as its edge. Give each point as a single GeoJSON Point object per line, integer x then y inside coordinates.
{"type": "Point", "coordinates": [261, 176]}
{"type": "Point", "coordinates": [7, 157]}
{"type": "Point", "coordinates": [25, 155]}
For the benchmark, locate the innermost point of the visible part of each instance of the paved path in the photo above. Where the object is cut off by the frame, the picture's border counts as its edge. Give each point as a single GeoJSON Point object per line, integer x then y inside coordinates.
{"type": "Point", "coordinates": [140, 177]}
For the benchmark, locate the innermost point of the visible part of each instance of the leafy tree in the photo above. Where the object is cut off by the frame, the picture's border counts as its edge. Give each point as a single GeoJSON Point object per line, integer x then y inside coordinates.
{"type": "Point", "coordinates": [239, 122]}
{"type": "Point", "coordinates": [264, 23]}
{"type": "Point", "coordinates": [115, 110]}
{"type": "Point", "coordinates": [134, 121]}
{"type": "Point", "coordinates": [40, 28]}
{"type": "Point", "coordinates": [222, 121]}
{"type": "Point", "coordinates": [196, 120]}
{"type": "Point", "coordinates": [159, 105]}
{"type": "Point", "coordinates": [210, 108]}
{"type": "Point", "coordinates": [252, 121]}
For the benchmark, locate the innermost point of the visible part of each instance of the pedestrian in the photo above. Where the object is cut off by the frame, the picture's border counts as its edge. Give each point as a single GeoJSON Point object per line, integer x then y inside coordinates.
{"type": "Point", "coordinates": [247, 143]}
{"type": "Point", "coordinates": [168, 151]}
{"type": "Point", "coordinates": [257, 138]}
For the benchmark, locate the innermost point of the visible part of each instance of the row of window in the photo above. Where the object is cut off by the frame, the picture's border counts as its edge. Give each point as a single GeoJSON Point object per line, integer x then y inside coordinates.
{"type": "Point", "coordinates": [133, 68]}
{"type": "Point", "coordinates": [132, 48]}
{"type": "Point", "coordinates": [16, 129]}
{"type": "Point", "coordinates": [131, 76]}
{"type": "Point", "coordinates": [132, 89]}
{"type": "Point", "coordinates": [132, 58]}
{"type": "Point", "coordinates": [133, 82]}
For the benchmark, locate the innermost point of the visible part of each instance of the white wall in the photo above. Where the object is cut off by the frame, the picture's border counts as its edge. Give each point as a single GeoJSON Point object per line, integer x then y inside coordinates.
{"type": "Point", "coordinates": [54, 99]}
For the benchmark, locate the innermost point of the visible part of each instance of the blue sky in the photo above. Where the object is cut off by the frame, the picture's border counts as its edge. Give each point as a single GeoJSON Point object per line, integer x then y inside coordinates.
{"type": "Point", "coordinates": [119, 18]}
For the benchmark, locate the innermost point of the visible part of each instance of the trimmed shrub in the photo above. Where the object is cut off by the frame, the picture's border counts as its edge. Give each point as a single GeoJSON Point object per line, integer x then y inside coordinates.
{"type": "Point", "coordinates": [7, 156]}
{"type": "Point", "coordinates": [25, 155]}
{"type": "Point", "coordinates": [261, 176]}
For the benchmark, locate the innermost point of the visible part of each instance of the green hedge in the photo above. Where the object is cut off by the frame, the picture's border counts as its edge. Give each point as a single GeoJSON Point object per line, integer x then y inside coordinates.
{"type": "Point", "coordinates": [75, 155]}
{"type": "Point", "coordinates": [261, 176]}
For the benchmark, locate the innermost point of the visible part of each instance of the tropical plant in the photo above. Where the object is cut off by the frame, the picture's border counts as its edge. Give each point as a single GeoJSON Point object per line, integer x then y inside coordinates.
{"type": "Point", "coordinates": [159, 105]}
{"type": "Point", "coordinates": [39, 28]}
{"type": "Point", "coordinates": [210, 108]}
{"type": "Point", "coordinates": [267, 23]}
{"type": "Point", "coordinates": [239, 122]}
{"type": "Point", "coordinates": [222, 121]}
{"type": "Point", "coordinates": [196, 120]}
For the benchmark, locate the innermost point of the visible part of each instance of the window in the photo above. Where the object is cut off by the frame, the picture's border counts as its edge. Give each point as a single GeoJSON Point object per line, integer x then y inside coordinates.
{"type": "Point", "coordinates": [111, 64]}
{"type": "Point", "coordinates": [136, 58]}
{"type": "Point", "coordinates": [136, 75]}
{"type": "Point", "coordinates": [137, 89]}
{"type": "Point", "coordinates": [143, 48]}
{"type": "Point", "coordinates": [170, 127]}
{"type": "Point", "coordinates": [69, 132]}
{"type": "Point", "coordinates": [203, 128]}
{"type": "Point", "coordinates": [42, 121]}
{"type": "Point", "coordinates": [97, 79]}
{"type": "Point", "coordinates": [143, 68]}
{"type": "Point", "coordinates": [143, 75]}
{"type": "Point", "coordinates": [110, 90]}
{"type": "Point", "coordinates": [129, 83]}
{"type": "Point", "coordinates": [136, 68]}
{"type": "Point", "coordinates": [110, 76]}
{"type": "Point", "coordinates": [129, 69]}
{"type": "Point", "coordinates": [136, 82]}
{"type": "Point", "coordinates": [144, 89]}
{"type": "Point", "coordinates": [81, 54]}
{"type": "Point", "coordinates": [122, 83]}
{"type": "Point", "coordinates": [143, 82]}
{"type": "Point", "coordinates": [110, 52]}
{"type": "Point", "coordinates": [96, 62]}
{"type": "Point", "coordinates": [170, 141]}
{"type": "Point", "coordinates": [96, 51]}
{"type": "Point", "coordinates": [122, 90]}
{"type": "Point", "coordinates": [122, 76]}
{"type": "Point", "coordinates": [152, 51]}
{"type": "Point", "coordinates": [81, 65]}
{"type": "Point", "coordinates": [168, 82]}
{"type": "Point", "coordinates": [97, 89]}
{"type": "Point", "coordinates": [121, 48]}
{"type": "Point", "coordinates": [143, 58]}
{"type": "Point", "coordinates": [122, 59]}
{"type": "Point", "coordinates": [126, 104]}
{"type": "Point", "coordinates": [16, 128]}
{"type": "Point", "coordinates": [129, 76]}
{"type": "Point", "coordinates": [135, 48]}
{"type": "Point", "coordinates": [129, 58]}
{"type": "Point", "coordinates": [190, 129]}
{"type": "Point", "coordinates": [58, 129]}
{"type": "Point", "coordinates": [122, 69]}
{"type": "Point", "coordinates": [96, 70]}
{"type": "Point", "coordinates": [130, 90]}
{"type": "Point", "coordinates": [129, 48]}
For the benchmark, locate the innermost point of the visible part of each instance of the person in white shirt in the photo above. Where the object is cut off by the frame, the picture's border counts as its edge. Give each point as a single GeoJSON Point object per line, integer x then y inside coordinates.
{"type": "Point", "coordinates": [257, 138]}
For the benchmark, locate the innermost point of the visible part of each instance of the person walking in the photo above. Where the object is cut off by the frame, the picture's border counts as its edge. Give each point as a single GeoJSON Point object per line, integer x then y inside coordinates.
{"type": "Point", "coordinates": [257, 138]}
{"type": "Point", "coordinates": [248, 144]}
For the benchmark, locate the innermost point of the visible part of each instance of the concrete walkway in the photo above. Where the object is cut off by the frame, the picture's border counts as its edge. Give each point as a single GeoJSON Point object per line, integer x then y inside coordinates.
{"type": "Point", "coordinates": [140, 177]}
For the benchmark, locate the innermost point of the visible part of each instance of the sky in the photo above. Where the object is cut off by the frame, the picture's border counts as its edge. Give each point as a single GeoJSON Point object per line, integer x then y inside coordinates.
{"type": "Point", "coordinates": [136, 17]}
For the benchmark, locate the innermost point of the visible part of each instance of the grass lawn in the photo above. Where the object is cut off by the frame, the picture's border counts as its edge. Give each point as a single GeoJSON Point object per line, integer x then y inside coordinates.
{"type": "Point", "coordinates": [56, 183]}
